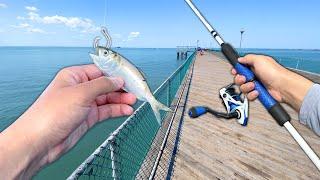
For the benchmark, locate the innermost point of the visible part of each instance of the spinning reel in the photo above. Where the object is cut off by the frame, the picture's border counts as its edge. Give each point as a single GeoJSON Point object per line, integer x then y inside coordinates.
{"type": "Point", "coordinates": [236, 106]}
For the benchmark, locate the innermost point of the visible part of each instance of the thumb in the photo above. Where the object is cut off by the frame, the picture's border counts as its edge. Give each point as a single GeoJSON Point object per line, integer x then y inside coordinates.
{"type": "Point", "coordinates": [248, 59]}
{"type": "Point", "coordinates": [102, 85]}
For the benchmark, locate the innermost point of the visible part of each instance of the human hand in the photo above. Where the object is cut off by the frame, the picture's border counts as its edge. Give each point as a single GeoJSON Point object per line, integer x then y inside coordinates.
{"type": "Point", "coordinates": [75, 100]}
{"type": "Point", "coordinates": [282, 84]}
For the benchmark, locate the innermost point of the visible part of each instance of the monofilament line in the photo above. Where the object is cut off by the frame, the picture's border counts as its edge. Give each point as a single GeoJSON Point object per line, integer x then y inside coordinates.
{"type": "Point", "coordinates": [105, 13]}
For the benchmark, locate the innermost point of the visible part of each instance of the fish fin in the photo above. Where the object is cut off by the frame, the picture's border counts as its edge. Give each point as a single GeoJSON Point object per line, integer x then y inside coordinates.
{"type": "Point", "coordinates": [156, 107]}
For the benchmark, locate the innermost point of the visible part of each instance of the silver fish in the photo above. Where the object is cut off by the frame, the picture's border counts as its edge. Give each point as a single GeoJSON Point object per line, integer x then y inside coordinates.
{"type": "Point", "coordinates": [113, 64]}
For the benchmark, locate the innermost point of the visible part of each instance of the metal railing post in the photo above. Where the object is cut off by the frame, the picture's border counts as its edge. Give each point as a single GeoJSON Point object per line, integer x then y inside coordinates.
{"type": "Point", "coordinates": [297, 65]}
{"type": "Point", "coordinates": [169, 93]}
{"type": "Point", "coordinates": [113, 163]}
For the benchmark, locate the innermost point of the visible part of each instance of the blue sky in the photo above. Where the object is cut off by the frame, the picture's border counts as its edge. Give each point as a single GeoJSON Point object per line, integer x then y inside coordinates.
{"type": "Point", "coordinates": [162, 23]}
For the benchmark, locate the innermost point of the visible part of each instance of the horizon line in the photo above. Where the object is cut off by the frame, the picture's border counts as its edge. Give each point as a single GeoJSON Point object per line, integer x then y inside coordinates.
{"type": "Point", "coordinates": [315, 49]}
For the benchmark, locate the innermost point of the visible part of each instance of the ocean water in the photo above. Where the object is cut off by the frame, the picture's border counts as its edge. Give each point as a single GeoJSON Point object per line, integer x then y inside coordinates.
{"type": "Point", "coordinates": [26, 71]}
{"type": "Point", "coordinates": [308, 60]}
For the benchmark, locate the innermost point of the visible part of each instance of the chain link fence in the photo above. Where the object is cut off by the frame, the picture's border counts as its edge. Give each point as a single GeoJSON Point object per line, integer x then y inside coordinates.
{"type": "Point", "coordinates": [123, 153]}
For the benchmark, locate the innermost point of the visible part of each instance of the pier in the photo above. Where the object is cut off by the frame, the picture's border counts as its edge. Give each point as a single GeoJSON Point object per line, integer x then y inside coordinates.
{"type": "Point", "coordinates": [212, 148]}
{"type": "Point", "coordinates": [182, 51]}
{"type": "Point", "coordinates": [206, 147]}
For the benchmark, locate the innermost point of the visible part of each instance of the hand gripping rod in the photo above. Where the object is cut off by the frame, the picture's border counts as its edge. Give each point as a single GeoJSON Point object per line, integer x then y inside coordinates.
{"type": "Point", "coordinates": [273, 107]}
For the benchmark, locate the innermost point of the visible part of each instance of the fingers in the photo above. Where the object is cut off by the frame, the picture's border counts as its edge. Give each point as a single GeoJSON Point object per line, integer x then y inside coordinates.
{"type": "Point", "coordinates": [247, 87]}
{"type": "Point", "coordinates": [116, 98]}
{"type": "Point", "coordinates": [253, 95]}
{"type": "Point", "coordinates": [248, 59]}
{"type": "Point", "coordinates": [77, 74]}
{"type": "Point", "coordinates": [92, 71]}
{"type": "Point", "coordinates": [239, 80]}
{"type": "Point", "coordinates": [96, 87]}
{"type": "Point", "coordinates": [114, 110]}
{"type": "Point", "coordinates": [233, 71]}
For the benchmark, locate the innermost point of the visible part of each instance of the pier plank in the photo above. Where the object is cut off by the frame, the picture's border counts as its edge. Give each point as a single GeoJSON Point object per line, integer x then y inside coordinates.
{"type": "Point", "coordinates": [213, 148]}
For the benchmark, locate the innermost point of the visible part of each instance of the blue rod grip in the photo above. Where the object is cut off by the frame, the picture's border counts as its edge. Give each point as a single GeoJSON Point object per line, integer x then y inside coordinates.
{"type": "Point", "coordinates": [265, 98]}
{"type": "Point", "coordinates": [273, 107]}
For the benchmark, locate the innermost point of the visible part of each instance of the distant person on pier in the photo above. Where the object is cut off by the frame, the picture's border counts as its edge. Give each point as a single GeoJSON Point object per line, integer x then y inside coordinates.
{"type": "Point", "coordinates": [200, 50]}
{"type": "Point", "coordinates": [285, 86]}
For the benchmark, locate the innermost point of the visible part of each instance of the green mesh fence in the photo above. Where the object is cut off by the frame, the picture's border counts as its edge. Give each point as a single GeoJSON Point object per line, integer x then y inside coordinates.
{"type": "Point", "coordinates": [123, 153]}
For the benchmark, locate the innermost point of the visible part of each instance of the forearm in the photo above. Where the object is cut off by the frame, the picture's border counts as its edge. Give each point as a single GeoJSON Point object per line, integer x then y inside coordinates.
{"type": "Point", "coordinates": [294, 88]}
{"type": "Point", "coordinates": [18, 159]}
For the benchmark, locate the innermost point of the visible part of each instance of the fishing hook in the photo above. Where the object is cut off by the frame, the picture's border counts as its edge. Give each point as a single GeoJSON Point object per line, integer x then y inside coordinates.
{"type": "Point", "coordinates": [106, 34]}
{"type": "Point", "coordinates": [96, 42]}
{"type": "Point", "coordinates": [97, 39]}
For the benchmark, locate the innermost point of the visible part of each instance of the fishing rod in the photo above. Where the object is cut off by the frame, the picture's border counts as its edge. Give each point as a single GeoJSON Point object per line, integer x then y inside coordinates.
{"type": "Point", "coordinates": [273, 107]}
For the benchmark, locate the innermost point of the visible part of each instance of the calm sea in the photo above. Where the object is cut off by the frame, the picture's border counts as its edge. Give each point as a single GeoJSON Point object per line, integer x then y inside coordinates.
{"type": "Point", "coordinates": [308, 60]}
{"type": "Point", "coordinates": [26, 71]}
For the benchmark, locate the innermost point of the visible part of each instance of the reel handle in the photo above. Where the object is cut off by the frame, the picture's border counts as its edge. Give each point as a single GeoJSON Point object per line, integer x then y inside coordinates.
{"type": "Point", "coordinates": [273, 107]}
{"type": "Point", "coordinates": [197, 111]}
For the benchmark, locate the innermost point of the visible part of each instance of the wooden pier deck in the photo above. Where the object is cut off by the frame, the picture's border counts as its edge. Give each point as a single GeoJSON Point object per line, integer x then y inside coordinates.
{"type": "Point", "coordinates": [212, 148]}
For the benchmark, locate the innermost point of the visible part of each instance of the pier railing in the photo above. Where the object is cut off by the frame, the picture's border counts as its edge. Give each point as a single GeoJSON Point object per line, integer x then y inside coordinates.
{"type": "Point", "coordinates": [295, 63]}
{"type": "Point", "coordinates": [122, 154]}
{"type": "Point", "coordinates": [307, 65]}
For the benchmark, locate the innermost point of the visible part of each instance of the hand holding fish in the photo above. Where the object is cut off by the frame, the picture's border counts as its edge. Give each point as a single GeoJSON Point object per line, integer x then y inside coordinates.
{"type": "Point", "coordinates": [113, 64]}
{"type": "Point", "coordinates": [77, 98]}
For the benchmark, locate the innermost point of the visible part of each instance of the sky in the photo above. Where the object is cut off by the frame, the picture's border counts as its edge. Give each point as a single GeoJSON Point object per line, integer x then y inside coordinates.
{"type": "Point", "coordinates": [289, 24]}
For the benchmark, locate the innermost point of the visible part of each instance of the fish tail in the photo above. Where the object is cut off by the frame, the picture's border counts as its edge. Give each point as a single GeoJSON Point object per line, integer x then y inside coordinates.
{"type": "Point", "coordinates": [156, 107]}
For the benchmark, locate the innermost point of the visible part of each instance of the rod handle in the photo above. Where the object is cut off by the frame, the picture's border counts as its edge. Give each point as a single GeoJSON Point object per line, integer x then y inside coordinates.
{"type": "Point", "coordinates": [273, 107]}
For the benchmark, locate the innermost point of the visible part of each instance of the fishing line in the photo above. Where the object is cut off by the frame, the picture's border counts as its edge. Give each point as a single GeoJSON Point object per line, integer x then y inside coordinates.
{"type": "Point", "coordinates": [105, 13]}
{"type": "Point", "coordinates": [274, 108]}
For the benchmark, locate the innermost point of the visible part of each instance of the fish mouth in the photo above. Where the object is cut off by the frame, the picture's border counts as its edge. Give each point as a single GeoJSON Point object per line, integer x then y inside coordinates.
{"type": "Point", "coordinates": [99, 60]}
{"type": "Point", "coordinates": [93, 56]}
{"type": "Point", "coordinates": [96, 59]}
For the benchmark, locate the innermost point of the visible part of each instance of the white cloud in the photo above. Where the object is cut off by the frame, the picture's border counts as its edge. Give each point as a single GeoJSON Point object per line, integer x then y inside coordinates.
{"type": "Point", "coordinates": [21, 18]}
{"type": "Point", "coordinates": [85, 25]}
{"type": "Point", "coordinates": [29, 28]}
{"type": "Point", "coordinates": [31, 8]}
{"type": "Point", "coordinates": [36, 30]}
{"type": "Point", "coordinates": [132, 36]}
{"type": "Point", "coordinates": [2, 5]}
{"type": "Point", "coordinates": [22, 25]}
{"type": "Point", "coordinates": [116, 36]}
{"type": "Point", "coordinates": [33, 16]}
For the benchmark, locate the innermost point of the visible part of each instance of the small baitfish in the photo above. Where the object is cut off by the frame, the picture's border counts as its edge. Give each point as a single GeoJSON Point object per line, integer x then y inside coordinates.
{"type": "Point", "coordinates": [113, 64]}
